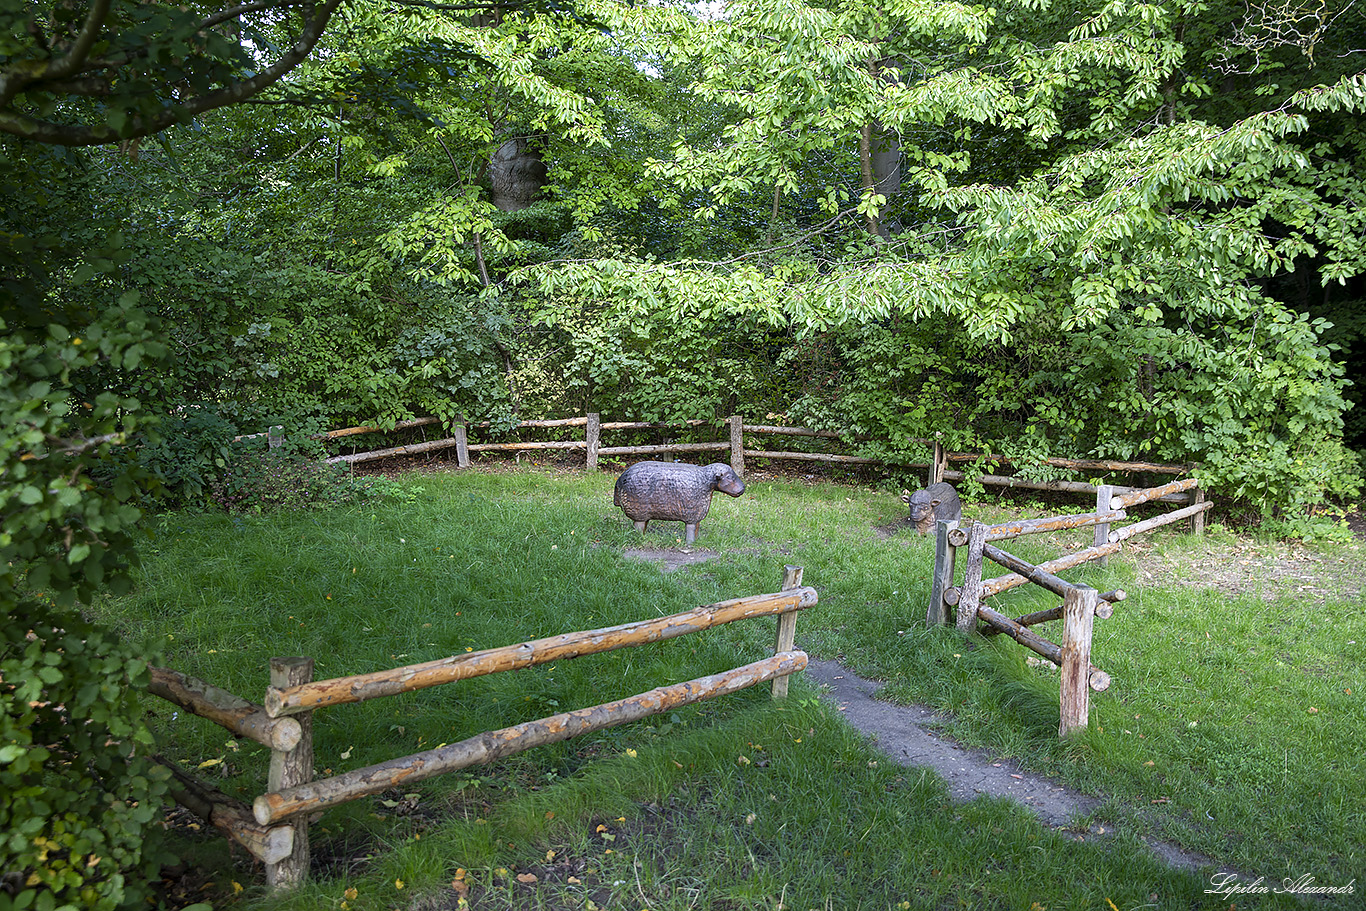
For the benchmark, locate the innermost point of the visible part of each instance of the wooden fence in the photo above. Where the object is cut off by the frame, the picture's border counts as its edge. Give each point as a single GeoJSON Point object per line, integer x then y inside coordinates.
{"type": "Point", "coordinates": [1081, 603]}
{"type": "Point", "coordinates": [736, 431]}
{"type": "Point", "coordinates": [274, 829]}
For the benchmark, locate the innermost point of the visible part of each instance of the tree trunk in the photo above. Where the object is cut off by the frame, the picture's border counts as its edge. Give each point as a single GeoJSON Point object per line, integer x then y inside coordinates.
{"type": "Point", "coordinates": [516, 175]}
{"type": "Point", "coordinates": [865, 154]}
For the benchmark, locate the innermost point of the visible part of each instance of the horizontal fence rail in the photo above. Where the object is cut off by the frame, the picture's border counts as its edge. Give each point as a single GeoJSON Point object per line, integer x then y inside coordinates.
{"type": "Point", "coordinates": [308, 696]}
{"type": "Point", "coordinates": [239, 716]}
{"type": "Point", "coordinates": [736, 430]}
{"type": "Point", "coordinates": [1081, 604]}
{"type": "Point", "coordinates": [274, 828]}
{"type": "Point", "coordinates": [492, 745]}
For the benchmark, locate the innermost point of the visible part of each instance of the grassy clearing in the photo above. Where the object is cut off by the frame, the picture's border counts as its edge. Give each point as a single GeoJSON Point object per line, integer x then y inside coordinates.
{"type": "Point", "coordinates": [1234, 726]}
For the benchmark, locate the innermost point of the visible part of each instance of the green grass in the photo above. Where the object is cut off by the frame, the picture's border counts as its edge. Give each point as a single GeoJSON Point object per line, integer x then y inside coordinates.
{"type": "Point", "coordinates": [1206, 738]}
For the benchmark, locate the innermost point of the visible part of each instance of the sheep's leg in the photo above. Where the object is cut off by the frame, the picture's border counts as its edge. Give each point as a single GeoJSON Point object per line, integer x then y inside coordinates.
{"type": "Point", "coordinates": [641, 526]}
{"type": "Point", "coordinates": [689, 532]}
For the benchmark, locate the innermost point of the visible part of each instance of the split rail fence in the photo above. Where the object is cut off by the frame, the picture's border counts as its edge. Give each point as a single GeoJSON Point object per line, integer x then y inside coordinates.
{"type": "Point", "coordinates": [939, 468]}
{"type": "Point", "coordinates": [274, 829]}
{"type": "Point", "coordinates": [1081, 603]}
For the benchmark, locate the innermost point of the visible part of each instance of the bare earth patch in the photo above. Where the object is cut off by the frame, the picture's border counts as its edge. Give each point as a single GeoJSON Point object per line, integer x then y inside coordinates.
{"type": "Point", "coordinates": [670, 559]}
{"type": "Point", "coordinates": [1240, 566]}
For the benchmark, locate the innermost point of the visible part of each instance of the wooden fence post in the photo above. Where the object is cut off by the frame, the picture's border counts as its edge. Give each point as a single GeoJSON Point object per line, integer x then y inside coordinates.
{"type": "Point", "coordinates": [462, 443]}
{"type": "Point", "coordinates": [937, 463]}
{"type": "Point", "coordinates": [945, 555]}
{"type": "Point", "coordinates": [1104, 493]}
{"type": "Point", "coordinates": [290, 768]}
{"type": "Point", "coordinates": [971, 597]}
{"type": "Point", "coordinates": [1198, 520]}
{"type": "Point", "coordinates": [737, 452]}
{"type": "Point", "coordinates": [593, 439]}
{"type": "Point", "coordinates": [1079, 610]}
{"type": "Point", "coordinates": [787, 627]}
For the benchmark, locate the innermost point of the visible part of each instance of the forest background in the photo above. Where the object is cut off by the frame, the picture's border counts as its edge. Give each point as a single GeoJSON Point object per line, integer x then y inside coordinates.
{"type": "Point", "coordinates": [1107, 229]}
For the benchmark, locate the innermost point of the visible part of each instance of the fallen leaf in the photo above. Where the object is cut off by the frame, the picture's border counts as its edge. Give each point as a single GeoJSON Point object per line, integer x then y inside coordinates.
{"type": "Point", "coordinates": [526, 878]}
{"type": "Point", "coordinates": [209, 763]}
{"type": "Point", "coordinates": [350, 894]}
{"type": "Point", "coordinates": [574, 881]}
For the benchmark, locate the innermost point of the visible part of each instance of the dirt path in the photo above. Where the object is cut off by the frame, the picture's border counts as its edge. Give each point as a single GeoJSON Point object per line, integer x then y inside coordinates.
{"type": "Point", "coordinates": [906, 735]}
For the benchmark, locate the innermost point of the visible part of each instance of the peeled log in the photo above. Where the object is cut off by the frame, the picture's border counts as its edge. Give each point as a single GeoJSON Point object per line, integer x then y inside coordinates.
{"type": "Point", "coordinates": [809, 457]}
{"type": "Point", "coordinates": [1038, 575]}
{"type": "Point", "coordinates": [1016, 529]}
{"type": "Point", "coordinates": [1104, 610]}
{"type": "Point", "coordinates": [232, 817]}
{"type": "Point", "coordinates": [352, 431]}
{"type": "Point", "coordinates": [1001, 583]}
{"type": "Point", "coordinates": [411, 449]}
{"type": "Point", "coordinates": [360, 687]}
{"type": "Point", "coordinates": [1134, 497]}
{"type": "Point", "coordinates": [493, 745]}
{"type": "Point", "coordinates": [246, 719]}
{"type": "Point", "coordinates": [1175, 515]}
{"type": "Point", "coordinates": [663, 447]}
{"type": "Point", "coordinates": [1097, 679]}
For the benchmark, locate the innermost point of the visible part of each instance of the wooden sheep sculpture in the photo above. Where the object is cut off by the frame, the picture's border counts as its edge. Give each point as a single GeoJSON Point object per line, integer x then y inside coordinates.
{"type": "Point", "coordinates": [928, 506]}
{"type": "Point", "coordinates": [673, 492]}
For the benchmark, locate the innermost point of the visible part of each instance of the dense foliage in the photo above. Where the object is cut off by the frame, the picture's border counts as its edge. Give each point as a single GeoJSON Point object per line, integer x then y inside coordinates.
{"type": "Point", "coordinates": [1128, 232]}
{"type": "Point", "coordinates": [79, 794]}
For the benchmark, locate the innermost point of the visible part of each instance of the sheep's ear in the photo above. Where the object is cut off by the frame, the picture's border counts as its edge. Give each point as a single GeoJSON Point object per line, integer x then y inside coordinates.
{"type": "Point", "coordinates": [934, 502]}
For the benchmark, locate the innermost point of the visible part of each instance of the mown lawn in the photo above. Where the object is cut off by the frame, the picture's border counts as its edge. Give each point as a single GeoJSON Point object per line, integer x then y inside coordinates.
{"type": "Point", "coordinates": [1234, 726]}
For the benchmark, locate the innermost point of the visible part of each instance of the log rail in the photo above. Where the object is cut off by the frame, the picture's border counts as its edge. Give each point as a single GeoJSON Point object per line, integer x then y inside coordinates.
{"type": "Point", "coordinates": [1081, 604]}
{"type": "Point", "coordinates": [591, 445]}
{"type": "Point", "coordinates": [275, 828]}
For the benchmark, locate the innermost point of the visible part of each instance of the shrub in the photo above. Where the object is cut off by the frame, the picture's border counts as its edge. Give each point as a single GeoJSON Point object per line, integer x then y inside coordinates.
{"type": "Point", "coordinates": [80, 797]}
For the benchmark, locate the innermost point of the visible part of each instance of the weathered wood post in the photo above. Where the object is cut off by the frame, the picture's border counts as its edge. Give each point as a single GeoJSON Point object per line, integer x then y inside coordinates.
{"type": "Point", "coordinates": [462, 443]}
{"type": "Point", "coordinates": [1198, 520]}
{"type": "Point", "coordinates": [937, 463]}
{"type": "Point", "coordinates": [1104, 494]}
{"type": "Point", "coordinates": [737, 448]}
{"type": "Point", "coordinates": [593, 439]}
{"type": "Point", "coordinates": [290, 768]}
{"type": "Point", "coordinates": [1079, 611]}
{"type": "Point", "coordinates": [971, 597]}
{"type": "Point", "coordinates": [787, 627]}
{"type": "Point", "coordinates": [945, 556]}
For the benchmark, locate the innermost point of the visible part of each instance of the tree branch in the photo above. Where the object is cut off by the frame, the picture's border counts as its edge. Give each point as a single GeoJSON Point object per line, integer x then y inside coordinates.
{"type": "Point", "coordinates": [26, 126]}
{"type": "Point", "coordinates": [224, 15]}
{"type": "Point", "coordinates": [85, 40]}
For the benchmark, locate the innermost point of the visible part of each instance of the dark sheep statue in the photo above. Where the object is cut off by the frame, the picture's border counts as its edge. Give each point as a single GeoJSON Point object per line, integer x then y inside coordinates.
{"type": "Point", "coordinates": [673, 492]}
{"type": "Point", "coordinates": [928, 506]}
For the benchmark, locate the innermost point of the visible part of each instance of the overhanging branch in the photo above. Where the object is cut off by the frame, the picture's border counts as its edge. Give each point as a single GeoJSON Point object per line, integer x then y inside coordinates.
{"type": "Point", "coordinates": [18, 78]}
